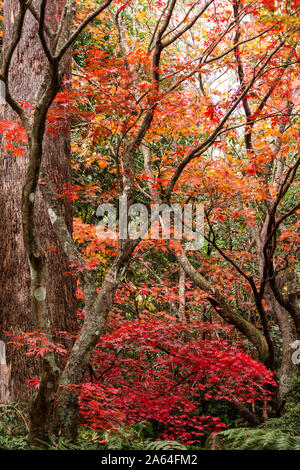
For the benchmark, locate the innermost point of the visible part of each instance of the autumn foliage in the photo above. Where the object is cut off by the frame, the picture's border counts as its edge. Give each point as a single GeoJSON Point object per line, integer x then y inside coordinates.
{"type": "Point", "coordinates": [157, 371]}
{"type": "Point", "coordinates": [207, 114]}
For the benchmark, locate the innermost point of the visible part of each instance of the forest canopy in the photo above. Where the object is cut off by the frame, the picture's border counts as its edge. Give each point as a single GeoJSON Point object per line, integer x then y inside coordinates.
{"type": "Point", "coordinates": [149, 247]}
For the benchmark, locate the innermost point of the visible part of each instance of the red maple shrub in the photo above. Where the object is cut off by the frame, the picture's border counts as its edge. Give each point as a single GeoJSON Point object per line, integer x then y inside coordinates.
{"type": "Point", "coordinates": [161, 371]}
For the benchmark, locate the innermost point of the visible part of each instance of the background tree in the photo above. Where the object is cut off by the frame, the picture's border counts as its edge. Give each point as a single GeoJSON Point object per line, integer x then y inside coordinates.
{"type": "Point", "coordinates": [26, 69]}
{"type": "Point", "coordinates": [153, 123]}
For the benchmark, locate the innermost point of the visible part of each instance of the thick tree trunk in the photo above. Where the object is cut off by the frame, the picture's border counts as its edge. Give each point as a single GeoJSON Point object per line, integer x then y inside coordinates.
{"type": "Point", "coordinates": [26, 71]}
{"type": "Point", "coordinates": [287, 367]}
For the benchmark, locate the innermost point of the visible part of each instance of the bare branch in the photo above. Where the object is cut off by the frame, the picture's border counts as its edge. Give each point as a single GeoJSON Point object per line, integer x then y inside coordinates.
{"type": "Point", "coordinates": [65, 238]}
{"type": "Point", "coordinates": [188, 26]}
{"type": "Point", "coordinates": [41, 31]}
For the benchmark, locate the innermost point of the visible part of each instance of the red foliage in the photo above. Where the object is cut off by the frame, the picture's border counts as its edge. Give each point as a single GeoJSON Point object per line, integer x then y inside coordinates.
{"type": "Point", "coordinates": [162, 371]}
{"type": "Point", "coordinates": [37, 344]}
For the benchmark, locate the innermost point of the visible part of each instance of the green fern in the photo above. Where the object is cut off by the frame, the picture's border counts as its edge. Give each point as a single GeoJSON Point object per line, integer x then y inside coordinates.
{"type": "Point", "coordinates": [87, 439]}
{"type": "Point", "coordinates": [14, 425]}
{"type": "Point", "coordinates": [165, 445]}
{"type": "Point", "coordinates": [131, 438]}
{"type": "Point", "coordinates": [10, 442]}
{"type": "Point", "coordinates": [260, 439]}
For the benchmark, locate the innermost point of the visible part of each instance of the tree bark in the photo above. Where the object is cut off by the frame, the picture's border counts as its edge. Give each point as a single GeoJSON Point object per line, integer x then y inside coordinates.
{"type": "Point", "coordinates": [282, 318]}
{"type": "Point", "coordinates": [27, 69]}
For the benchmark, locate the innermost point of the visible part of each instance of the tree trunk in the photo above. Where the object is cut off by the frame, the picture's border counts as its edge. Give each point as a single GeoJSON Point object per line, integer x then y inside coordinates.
{"type": "Point", "coordinates": [282, 319]}
{"type": "Point", "coordinates": [26, 71]}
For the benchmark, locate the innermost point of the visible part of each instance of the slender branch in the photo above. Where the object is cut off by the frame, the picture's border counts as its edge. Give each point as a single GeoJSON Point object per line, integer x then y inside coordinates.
{"type": "Point", "coordinates": [241, 75]}
{"type": "Point", "coordinates": [4, 75]}
{"type": "Point", "coordinates": [41, 31]}
{"type": "Point", "coordinates": [36, 15]}
{"type": "Point", "coordinates": [80, 28]}
{"type": "Point", "coordinates": [65, 237]}
{"type": "Point", "coordinates": [224, 309]}
{"type": "Point", "coordinates": [258, 294]}
{"type": "Point", "coordinates": [197, 151]}
{"type": "Point", "coordinates": [188, 26]}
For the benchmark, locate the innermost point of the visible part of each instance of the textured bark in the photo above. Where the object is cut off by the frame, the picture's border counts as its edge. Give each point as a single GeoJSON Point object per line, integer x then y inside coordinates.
{"type": "Point", "coordinates": [182, 302]}
{"type": "Point", "coordinates": [282, 318]}
{"type": "Point", "coordinates": [26, 71]}
{"type": "Point", "coordinates": [286, 371]}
